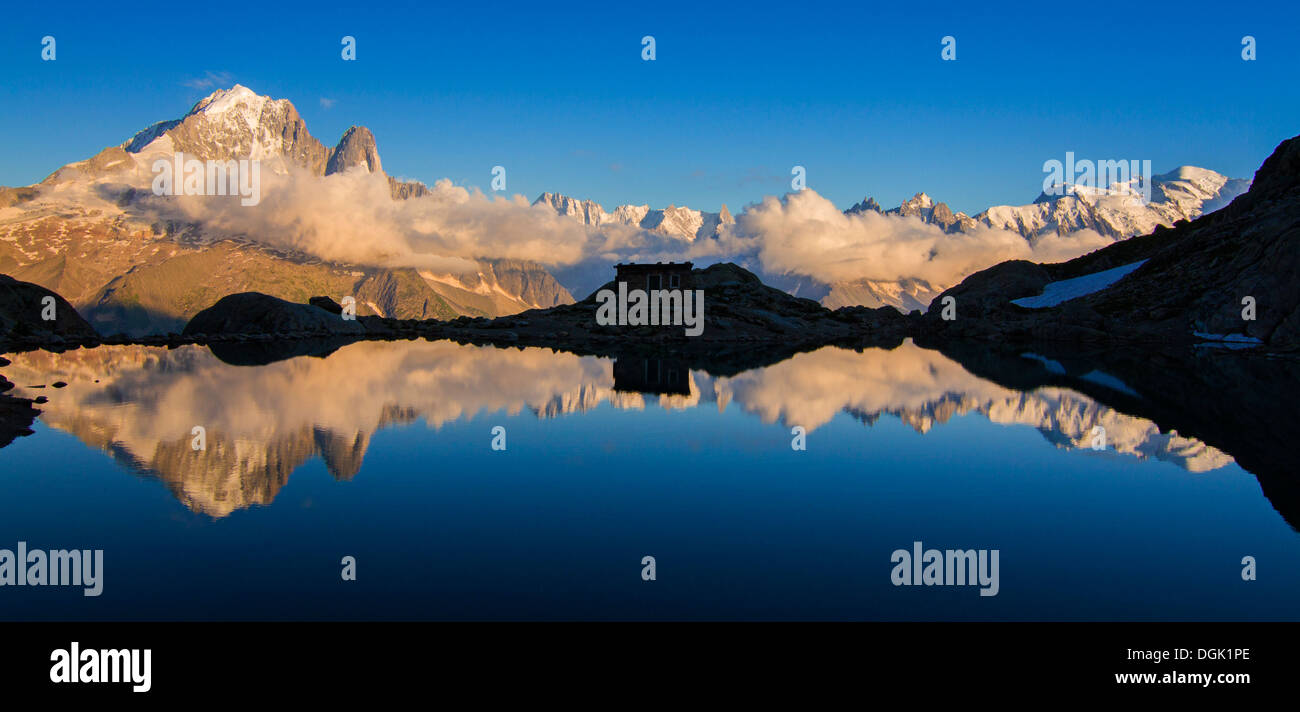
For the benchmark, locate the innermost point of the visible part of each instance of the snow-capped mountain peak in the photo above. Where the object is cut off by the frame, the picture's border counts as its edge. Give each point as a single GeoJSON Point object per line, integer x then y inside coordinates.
{"type": "Point", "coordinates": [238, 98]}
{"type": "Point", "coordinates": [1120, 210]}
{"type": "Point", "coordinates": [589, 212]}
{"type": "Point", "coordinates": [235, 124]}
{"type": "Point", "coordinates": [916, 204]}
{"type": "Point", "coordinates": [678, 222]}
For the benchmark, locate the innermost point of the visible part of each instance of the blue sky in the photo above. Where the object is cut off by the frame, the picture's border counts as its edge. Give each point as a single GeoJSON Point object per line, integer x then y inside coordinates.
{"type": "Point", "coordinates": [559, 95]}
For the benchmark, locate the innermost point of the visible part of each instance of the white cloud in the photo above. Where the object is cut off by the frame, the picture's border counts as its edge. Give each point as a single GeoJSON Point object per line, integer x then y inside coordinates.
{"type": "Point", "coordinates": [350, 217]}
{"type": "Point", "coordinates": [803, 233]}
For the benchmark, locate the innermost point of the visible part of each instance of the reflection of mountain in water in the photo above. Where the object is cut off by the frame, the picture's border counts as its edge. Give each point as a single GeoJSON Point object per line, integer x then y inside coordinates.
{"type": "Point", "coordinates": [263, 422]}
{"type": "Point", "coordinates": [140, 403]}
{"type": "Point", "coordinates": [923, 388]}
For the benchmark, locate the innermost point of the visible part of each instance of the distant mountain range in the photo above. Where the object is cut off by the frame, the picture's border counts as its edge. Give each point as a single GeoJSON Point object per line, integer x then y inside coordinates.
{"type": "Point", "coordinates": [89, 232]}
{"type": "Point", "coordinates": [682, 223]}
{"type": "Point", "coordinates": [94, 232]}
{"type": "Point", "coordinates": [1116, 213]}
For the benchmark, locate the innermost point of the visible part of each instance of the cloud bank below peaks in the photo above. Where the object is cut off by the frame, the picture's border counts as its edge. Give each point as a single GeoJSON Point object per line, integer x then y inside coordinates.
{"type": "Point", "coordinates": [803, 233]}
{"type": "Point", "coordinates": [351, 218]}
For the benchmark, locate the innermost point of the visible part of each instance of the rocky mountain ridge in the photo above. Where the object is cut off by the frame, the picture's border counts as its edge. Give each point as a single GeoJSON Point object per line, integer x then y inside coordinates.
{"type": "Point", "coordinates": [92, 231]}
{"type": "Point", "coordinates": [682, 223]}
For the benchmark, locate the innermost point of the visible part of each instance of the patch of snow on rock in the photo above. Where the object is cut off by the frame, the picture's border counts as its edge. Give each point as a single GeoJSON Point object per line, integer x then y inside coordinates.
{"type": "Point", "coordinates": [1055, 293]}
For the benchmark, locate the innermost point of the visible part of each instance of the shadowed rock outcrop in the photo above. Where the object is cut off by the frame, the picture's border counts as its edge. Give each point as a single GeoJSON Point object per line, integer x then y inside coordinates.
{"type": "Point", "coordinates": [740, 313]}
{"type": "Point", "coordinates": [24, 305]}
{"type": "Point", "coordinates": [252, 313]}
{"type": "Point", "coordinates": [327, 304]}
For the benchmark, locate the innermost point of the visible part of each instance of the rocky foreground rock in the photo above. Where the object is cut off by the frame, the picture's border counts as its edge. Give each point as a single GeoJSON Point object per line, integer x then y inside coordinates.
{"type": "Point", "coordinates": [252, 313]}
{"type": "Point", "coordinates": [23, 310]}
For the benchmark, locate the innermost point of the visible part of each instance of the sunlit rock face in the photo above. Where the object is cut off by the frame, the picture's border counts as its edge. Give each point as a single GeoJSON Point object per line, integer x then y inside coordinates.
{"type": "Point", "coordinates": [141, 404]}
{"type": "Point", "coordinates": [136, 262]}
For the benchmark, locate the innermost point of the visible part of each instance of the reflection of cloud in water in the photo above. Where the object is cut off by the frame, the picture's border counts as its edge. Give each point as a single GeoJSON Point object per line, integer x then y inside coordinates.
{"type": "Point", "coordinates": [924, 388]}
{"type": "Point", "coordinates": [263, 422]}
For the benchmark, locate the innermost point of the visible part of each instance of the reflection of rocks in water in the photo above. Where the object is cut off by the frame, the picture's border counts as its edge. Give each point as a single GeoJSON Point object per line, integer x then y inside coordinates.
{"type": "Point", "coordinates": [16, 414]}
{"type": "Point", "coordinates": [261, 353]}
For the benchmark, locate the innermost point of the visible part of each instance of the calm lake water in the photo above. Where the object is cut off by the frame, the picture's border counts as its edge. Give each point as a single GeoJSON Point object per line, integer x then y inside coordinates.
{"type": "Point", "coordinates": [383, 452]}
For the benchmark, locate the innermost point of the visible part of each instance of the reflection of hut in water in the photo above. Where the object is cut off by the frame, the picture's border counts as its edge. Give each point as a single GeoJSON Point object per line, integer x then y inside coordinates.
{"type": "Point", "coordinates": [651, 375]}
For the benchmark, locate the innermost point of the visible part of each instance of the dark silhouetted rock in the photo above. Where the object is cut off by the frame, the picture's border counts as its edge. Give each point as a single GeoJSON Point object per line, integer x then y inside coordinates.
{"type": "Point", "coordinates": [987, 292]}
{"type": "Point", "coordinates": [250, 313]}
{"type": "Point", "coordinates": [746, 324]}
{"type": "Point", "coordinates": [327, 304]}
{"type": "Point", "coordinates": [21, 307]}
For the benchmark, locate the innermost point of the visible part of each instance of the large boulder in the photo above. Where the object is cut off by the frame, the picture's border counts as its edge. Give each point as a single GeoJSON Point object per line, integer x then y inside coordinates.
{"type": "Point", "coordinates": [327, 304]}
{"type": "Point", "coordinates": [24, 305]}
{"type": "Point", "coordinates": [256, 313]}
{"type": "Point", "coordinates": [1000, 284]}
{"type": "Point", "coordinates": [983, 298]}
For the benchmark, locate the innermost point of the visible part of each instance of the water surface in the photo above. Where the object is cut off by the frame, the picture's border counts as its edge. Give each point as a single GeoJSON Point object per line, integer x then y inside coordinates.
{"type": "Point", "coordinates": [382, 451]}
